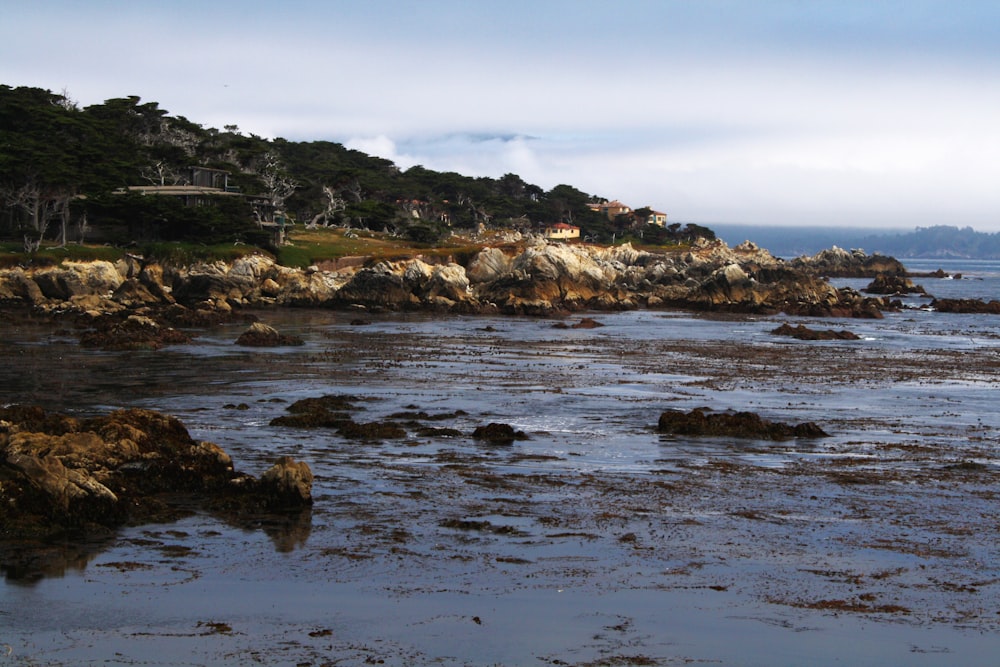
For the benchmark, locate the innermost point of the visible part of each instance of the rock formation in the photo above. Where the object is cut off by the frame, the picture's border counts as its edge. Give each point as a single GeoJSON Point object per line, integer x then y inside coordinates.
{"type": "Point", "coordinates": [264, 335]}
{"type": "Point", "coordinates": [63, 475]}
{"type": "Point", "coordinates": [537, 278]}
{"type": "Point", "coordinates": [978, 306]}
{"type": "Point", "coordinates": [839, 263]}
{"type": "Point", "coordinates": [803, 332]}
{"type": "Point", "coordinates": [893, 284]}
{"type": "Point", "coordinates": [735, 425]}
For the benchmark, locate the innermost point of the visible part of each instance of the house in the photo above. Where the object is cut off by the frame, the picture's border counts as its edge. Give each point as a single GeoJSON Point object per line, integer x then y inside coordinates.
{"type": "Point", "coordinates": [205, 184]}
{"type": "Point", "coordinates": [561, 230]}
{"type": "Point", "coordinates": [202, 184]}
{"type": "Point", "coordinates": [656, 218]}
{"type": "Point", "coordinates": [612, 209]}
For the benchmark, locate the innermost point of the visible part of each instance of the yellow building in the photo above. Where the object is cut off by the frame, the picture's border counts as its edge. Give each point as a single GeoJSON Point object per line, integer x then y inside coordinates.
{"type": "Point", "coordinates": [561, 230]}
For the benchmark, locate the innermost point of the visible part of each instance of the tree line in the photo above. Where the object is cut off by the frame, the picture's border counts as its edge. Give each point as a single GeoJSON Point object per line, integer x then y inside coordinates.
{"type": "Point", "coordinates": [65, 173]}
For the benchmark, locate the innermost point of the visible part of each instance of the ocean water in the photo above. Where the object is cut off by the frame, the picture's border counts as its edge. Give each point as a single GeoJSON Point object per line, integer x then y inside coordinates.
{"type": "Point", "coordinates": [594, 539]}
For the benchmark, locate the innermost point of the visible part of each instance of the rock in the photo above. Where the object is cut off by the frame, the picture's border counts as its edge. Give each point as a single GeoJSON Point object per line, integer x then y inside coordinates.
{"type": "Point", "coordinates": [840, 263]}
{"type": "Point", "coordinates": [978, 306]}
{"type": "Point", "coordinates": [329, 411]}
{"type": "Point", "coordinates": [380, 287]}
{"type": "Point", "coordinates": [540, 279]}
{"type": "Point", "coordinates": [370, 431]}
{"type": "Point", "coordinates": [309, 288]}
{"type": "Point", "coordinates": [16, 286]}
{"type": "Point", "coordinates": [132, 293]}
{"type": "Point", "coordinates": [288, 483]}
{"type": "Point", "coordinates": [584, 323]}
{"type": "Point", "coordinates": [66, 475]}
{"type": "Point", "coordinates": [449, 281]}
{"type": "Point", "coordinates": [893, 284]}
{"type": "Point", "coordinates": [802, 332]}
{"type": "Point", "coordinates": [735, 425]}
{"type": "Point", "coordinates": [78, 279]}
{"type": "Point", "coordinates": [489, 265]}
{"type": "Point", "coordinates": [263, 335]}
{"type": "Point", "coordinates": [498, 434]}
{"type": "Point", "coordinates": [219, 282]}
{"type": "Point", "coordinates": [135, 332]}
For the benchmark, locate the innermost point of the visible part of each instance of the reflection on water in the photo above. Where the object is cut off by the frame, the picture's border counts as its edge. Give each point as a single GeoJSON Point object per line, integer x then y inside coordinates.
{"type": "Point", "coordinates": [28, 563]}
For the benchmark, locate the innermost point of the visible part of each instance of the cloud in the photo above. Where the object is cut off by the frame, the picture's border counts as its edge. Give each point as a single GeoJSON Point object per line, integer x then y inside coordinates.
{"type": "Point", "coordinates": [722, 109]}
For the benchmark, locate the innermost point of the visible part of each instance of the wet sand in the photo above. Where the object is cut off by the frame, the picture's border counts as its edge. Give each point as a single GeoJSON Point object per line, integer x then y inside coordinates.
{"type": "Point", "coordinates": [597, 541]}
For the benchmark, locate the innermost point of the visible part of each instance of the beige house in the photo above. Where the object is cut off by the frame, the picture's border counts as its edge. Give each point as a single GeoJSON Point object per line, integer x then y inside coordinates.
{"type": "Point", "coordinates": [612, 209]}
{"type": "Point", "coordinates": [656, 218]}
{"type": "Point", "coordinates": [561, 230]}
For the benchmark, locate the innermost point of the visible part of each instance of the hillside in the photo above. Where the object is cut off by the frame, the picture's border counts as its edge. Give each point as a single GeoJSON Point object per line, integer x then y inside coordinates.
{"type": "Point", "coordinates": [936, 242]}
{"type": "Point", "coordinates": [71, 174]}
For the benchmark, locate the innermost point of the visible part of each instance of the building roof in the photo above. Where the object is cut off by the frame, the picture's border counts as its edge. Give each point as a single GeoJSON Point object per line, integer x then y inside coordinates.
{"type": "Point", "coordinates": [179, 190]}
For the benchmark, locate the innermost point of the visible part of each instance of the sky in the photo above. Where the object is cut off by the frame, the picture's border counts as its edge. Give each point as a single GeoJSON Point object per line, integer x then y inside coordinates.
{"type": "Point", "coordinates": [880, 113]}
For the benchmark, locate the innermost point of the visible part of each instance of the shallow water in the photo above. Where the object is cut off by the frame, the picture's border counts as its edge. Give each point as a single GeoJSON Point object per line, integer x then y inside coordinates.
{"type": "Point", "coordinates": [595, 541]}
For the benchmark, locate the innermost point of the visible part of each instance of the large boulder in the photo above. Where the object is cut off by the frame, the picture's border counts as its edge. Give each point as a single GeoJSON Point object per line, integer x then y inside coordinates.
{"type": "Point", "coordinates": [837, 262]}
{"type": "Point", "coordinates": [378, 287]}
{"type": "Point", "coordinates": [17, 287]}
{"type": "Point", "coordinates": [131, 332]}
{"type": "Point", "coordinates": [61, 475]}
{"type": "Point", "coordinates": [747, 425]}
{"type": "Point", "coordinates": [893, 284]}
{"type": "Point", "coordinates": [74, 279]}
{"type": "Point", "coordinates": [488, 265]}
{"type": "Point", "coordinates": [259, 334]}
{"type": "Point", "coordinates": [311, 287]}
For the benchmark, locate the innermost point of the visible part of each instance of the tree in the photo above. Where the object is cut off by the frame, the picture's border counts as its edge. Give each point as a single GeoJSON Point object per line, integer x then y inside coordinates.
{"type": "Point", "coordinates": [334, 204]}
{"type": "Point", "coordinates": [278, 185]}
{"type": "Point", "coordinates": [44, 144]}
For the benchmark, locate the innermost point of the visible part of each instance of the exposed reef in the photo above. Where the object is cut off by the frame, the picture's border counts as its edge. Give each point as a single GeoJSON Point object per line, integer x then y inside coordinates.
{"type": "Point", "coordinates": [747, 425]}
{"type": "Point", "coordinates": [61, 475]}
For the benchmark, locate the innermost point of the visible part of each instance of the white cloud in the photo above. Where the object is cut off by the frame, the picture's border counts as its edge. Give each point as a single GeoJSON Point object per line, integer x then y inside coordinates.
{"type": "Point", "coordinates": [725, 111]}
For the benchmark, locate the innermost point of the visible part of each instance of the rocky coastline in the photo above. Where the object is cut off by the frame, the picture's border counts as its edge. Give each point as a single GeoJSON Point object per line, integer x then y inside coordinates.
{"type": "Point", "coordinates": [68, 475]}
{"type": "Point", "coordinates": [537, 278]}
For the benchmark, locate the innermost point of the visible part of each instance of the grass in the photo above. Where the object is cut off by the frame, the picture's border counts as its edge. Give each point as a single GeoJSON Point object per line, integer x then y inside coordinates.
{"type": "Point", "coordinates": [187, 253]}
{"type": "Point", "coordinates": [313, 246]}
{"type": "Point", "coordinates": [12, 254]}
{"type": "Point", "coordinates": [306, 247]}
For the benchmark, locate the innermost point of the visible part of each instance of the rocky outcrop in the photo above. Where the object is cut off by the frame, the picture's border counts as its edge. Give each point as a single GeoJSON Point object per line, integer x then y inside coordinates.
{"type": "Point", "coordinates": [263, 335]}
{"type": "Point", "coordinates": [977, 306]}
{"type": "Point", "coordinates": [747, 425]}
{"type": "Point", "coordinates": [802, 332]}
{"type": "Point", "coordinates": [539, 278]}
{"type": "Point", "coordinates": [60, 474]}
{"type": "Point", "coordinates": [839, 263]}
{"type": "Point", "coordinates": [130, 332]}
{"type": "Point", "coordinates": [498, 434]}
{"type": "Point", "coordinates": [894, 284]}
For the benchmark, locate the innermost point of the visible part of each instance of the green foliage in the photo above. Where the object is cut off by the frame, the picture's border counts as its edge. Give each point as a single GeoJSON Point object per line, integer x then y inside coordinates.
{"type": "Point", "coordinates": [124, 141]}
{"type": "Point", "coordinates": [179, 254]}
{"type": "Point", "coordinates": [12, 254]}
{"type": "Point", "coordinates": [294, 256]}
{"type": "Point", "coordinates": [428, 233]}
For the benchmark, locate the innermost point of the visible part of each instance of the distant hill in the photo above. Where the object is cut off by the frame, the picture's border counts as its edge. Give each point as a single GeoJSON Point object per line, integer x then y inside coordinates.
{"type": "Point", "coordinates": [126, 171]}
{"type": "Point", "coordinates": [941, 241]}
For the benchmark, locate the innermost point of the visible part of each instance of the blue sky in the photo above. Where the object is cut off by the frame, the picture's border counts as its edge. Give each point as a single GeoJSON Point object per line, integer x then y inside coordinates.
{"type": "Point", "coordinates": [879, 113]}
